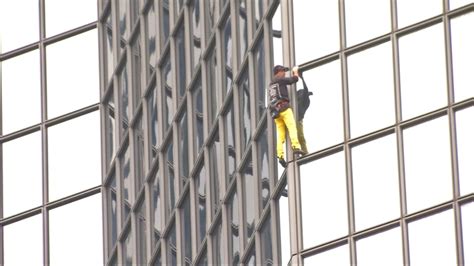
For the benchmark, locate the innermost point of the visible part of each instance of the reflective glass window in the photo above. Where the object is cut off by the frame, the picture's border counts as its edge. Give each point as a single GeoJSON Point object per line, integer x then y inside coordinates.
{"type": "Point", "coordinates": [422, 71]}
{"type": "Point", "coordinates": [127, 182]}
{"type": "Point", "coordinates": [243, 40]}
{"type": "Point", "coordinates": [22, 165]}
{"type": "Point", "coordinates": [371, 94]}
{"type": "Point", "coordinates": [234, 228]}
{"type": "Point", "coordinates": [25, 16]}
{"type": "Point", "coordinates": [139, 138]}
{"type": "Point", "coordinates": [21, 91]}
{"type": "Point", "coordinates": [277, 42]}
{"type": "Point", "coordinates": [323, 18]}
{"type": "Point", "coordinates": [227, 44]}
{"type": "Point", "coordinates": [324, 117]}
{"type": "Point", "coordinates": [260, 76]}
{"type": "Point", "coordinates": [381, 249]}
{"type": "Point", "coordinates": [264, 166]}
{"type": "Point", "coordinates": [284, 224]}
{"type": "Point", "coordinates": [112, 208]}
{"type": "Point", "coordinates": [250, 261]}
{"type": "Point", "coordinates": [324, 203]}
{"type": "Point", "coordinates": [127, 249]}
{"type": "Point", "coordinates": [427, 164]}
{"type": "Point", "coordinates": [167, 84]}
{"type": "Point", "coordinates": [165, 20]}
{"type": "Point", "coordinates": [267, 243]}
{"type": "Point", "coordinates": [203, 259]}
{"type": "Point", "coordinates": [201, 198]}
{"type": "Point", "coordinates": [142, 233]}
{"type": "Point", "coordinates": [109, 36]}
{"type": "Point", "coordinates": [467, 212]}
{"type": "Point", "coordinates": [213, 81]}
{"type": "Point", "coordinates": [245, 107]}
{"type": "Point", "coordinates": [124, 106]}
{"type": "Point", "coordinates": [215, 153]}
{"type": "Point", "coordinates": [80, 83]}
{"type": "Point", "coordinates": [453, 4]}
{"type": "Point", "coordinates": [65, 239]}
{"type": "Point", "coordinates": [432, 240]}
{"type": "Point", "coordinates": [180, 61]}
{"type": "Point", "coordinates": [110, 129]}
{"type": "Point", "coordinates": [375, 182]}
{"type": "Point", "coordinates": [171, 247]}
{"type": "Point", "coordinates": [198, 114]}
{"type": "Point", "coordinates": [366, 19]}
{"type": "Point", "coordinates": [21, 236]}
{"type": "Point", "coordinates": [183, 148]}
{"type": "Point", "coordinates": [218, 239]}
{"type": "Point", "coordinates": [250, 199]}
{"type": "Point", "coordinates": [186, 232]}
{"type": "Point", "coordinates": [156, 203]}
{"type": "Point", "coordinates": [153, 122]}
{"type": "Point", "coordinates": [335, 256]}
{"type": "Point", "coordinates": [57, 20]}
{"type": "Point", "coordinates": [259, 7]}
{"type": "Point", "coordinates": [136, 71]}
{"type": "Point", "coordinates": [412, 11]}
{"type": "Point", "coordinates": [462, 41]}
{"type": "Point", "coordinates": [196, 31]}
{"type": "Point", "coordinates": [122, 19]}
{"type": "Point", "coordinates": [74, 155]}
{"type": "Point", "coordinates": [151, 39]}
{"type": "Point", "coordinates": [157, 259]}
{"type": "Point", "coordinates": [211, 16]}
{"type": "Point", "coordinates": [230, 137]}
{"type": "Point", "coordinates": [170, 179]}
{"type": "Point", "coordinates": [465, 152]}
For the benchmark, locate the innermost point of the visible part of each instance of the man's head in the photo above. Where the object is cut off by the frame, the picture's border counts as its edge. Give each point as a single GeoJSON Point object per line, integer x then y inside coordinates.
{"type": "Point", "coordinates": [279, 70]}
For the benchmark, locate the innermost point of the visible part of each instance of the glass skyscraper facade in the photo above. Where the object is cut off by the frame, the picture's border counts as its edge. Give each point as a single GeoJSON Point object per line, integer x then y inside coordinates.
{"type": "Point", "coordinates": [135, 132]}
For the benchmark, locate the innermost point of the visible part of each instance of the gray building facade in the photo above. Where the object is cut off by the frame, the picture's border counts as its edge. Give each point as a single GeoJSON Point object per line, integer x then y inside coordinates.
{"type": "Point", "coordinates": [135, 132]}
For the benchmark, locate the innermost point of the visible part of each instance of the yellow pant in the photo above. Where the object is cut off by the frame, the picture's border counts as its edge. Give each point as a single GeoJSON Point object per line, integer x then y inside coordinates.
{"type": "Point", "coordinates": [286, 121]}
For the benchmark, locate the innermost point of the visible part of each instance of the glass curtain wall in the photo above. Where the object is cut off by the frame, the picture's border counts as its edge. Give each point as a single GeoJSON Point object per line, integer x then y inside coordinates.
{"type": "Point", "coordinates": [50, 134]}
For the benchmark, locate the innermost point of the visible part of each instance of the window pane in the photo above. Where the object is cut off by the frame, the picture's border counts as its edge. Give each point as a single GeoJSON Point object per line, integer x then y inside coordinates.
{"type": "Point", "coordinates": [127, 249]}
{"type": "Point", "coordinates": [156, 203]}
{"type": "Point", "coordinates": [462, 41]}
{"type": "Point", "coordinates": [112, 212]}
{"type": "Point", "coordinates": [227, 44]}
{"type": "Point", "coordinates": [212, 15]}
{"type": "Point", "coordinates": [263, 160]}
{"type": "Point", "coordinates": [196, 31]}
{"type": "Point", "coordinates": [323, 16]}
{"type": "Point", "coordinates": [139, 138]}
{"type": "Point", "coordinates": [427, 164]}
{"type": "Point", "coordinates": [108, 47]}
{"type": "Point", "coordinates": [110, 141]}
{"type": "Point", "coordinates": [250, 190]}
{"type": "Point", "coordinates": [153, 123]}
{"type": "Point", "coordinates": [412, 11]}
{"type": "Point", "coordinates": [183, 148]}
{"type": "Point", "coordinates": [22, 236]}
{"type": "Point", "coordinates": [22, 178]}
{"type": "Point", "coordinates": [260, 76]}
{"type": "Point", "coordinates": [57, 20]}
{"type": "Point", "coordinates": [277, 41]}
{"type": "Point", "coordinates": [468, 232]}
{"type": "Point", "coordinates": [215, 153]}
{"type": "Point", "coordinates": [375, 173]}
{"type": "Point", "coordinates": [323, 219]}
{"type": "Point", "coordinates": [151, 42]}
{"type": "Point", "coordinates": [453, 4]}
{"type": "Point", "coordinates": [171, 246]}
{"type": "Point", "coordinates": [217, 245]}
{"type": "Point", "coordinates": [381, 249]}
{"type": "Point", "coordinates": [245, 107]}
{"type": "Point", "coordinates": [124, 105]}
{"type": "Point", "coordinates": [170, 179]}
{"type": "Point", "coordinates": [422, 71]}
{"type": "Point", "coordinates": [324, 117]}
{"type": "Point", "coordinates": [74, 156]}
{"type": "Point", "coordinates": [371, 77]}
{"type": "Point", "coordinates": [284, 218]}
{"type": "Point", "coordinates": [366, 19]}
{"type": "Point", "coordinates": [432, 240]}
{"type": "Point", "coordinates": [243, 28]}
{"type": "Point", "coordinates": [186, 232]}
{"type": "Point", "coordinates": [266, 240]}
{"type": "Point", "coordinates": [142, 233]}
{"type": "Point", "coordinates": [201, 204]}
{"type": "Point", "coordinates": [213, 90]}
{"type": "Point", "coordinates": [166, 79]}
{"type": "Point", "coordinates": [138, 89]}
{"type": "Point", "coordinates": [465, 146]}
{"type": "Point", "coordinates": [198, 117]}
{"type": "Point", "coordinates": [335, 256]}
{"type": "Point", "coordinates": [21, 91]}
{"type": "Point", "coordinates": [230, 136]}
{"type": "Point", "coordinates": [122, 17]}
{"type": "Point", "coordinates": [127, 182]}
{"type": "Point", "coordinates": [25, 16]}
{"type": "Point", "coordinates": [180, 61]}
{"type": "Point", "coordinates": [234, 228]}
{"type": "Point", "coordinates": [80, 83]}
{"type": "Point", "coordinates": [165, 20]}
{"type": "Point", "coordinates": [65, 239]}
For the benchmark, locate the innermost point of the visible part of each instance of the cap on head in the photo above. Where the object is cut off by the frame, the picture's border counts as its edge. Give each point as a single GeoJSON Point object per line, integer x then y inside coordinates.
{"type": "Point", "coordinates": [279, 68]}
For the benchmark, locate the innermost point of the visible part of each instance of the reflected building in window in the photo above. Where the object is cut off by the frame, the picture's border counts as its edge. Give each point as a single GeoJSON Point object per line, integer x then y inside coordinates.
{"type": "Point", "coordinates": [140, 128]}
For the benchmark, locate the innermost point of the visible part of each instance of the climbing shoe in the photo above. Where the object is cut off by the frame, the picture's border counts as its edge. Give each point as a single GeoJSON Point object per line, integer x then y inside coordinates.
{"type": "Point", "coordinates": [282, 162]}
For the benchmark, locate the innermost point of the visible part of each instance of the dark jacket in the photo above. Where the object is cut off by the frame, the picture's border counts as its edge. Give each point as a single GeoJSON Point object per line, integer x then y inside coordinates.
{"type": "Point", "coordinates": [303, 101]}
{"type": "Point", "coordinates": [282, 84]}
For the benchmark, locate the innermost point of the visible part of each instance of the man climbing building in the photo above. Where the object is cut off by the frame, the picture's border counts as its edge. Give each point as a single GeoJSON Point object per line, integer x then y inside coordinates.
{"type": "Point", "coordinates": [281, 110]}
{"type": "Point", "coordinates": [303, 104]}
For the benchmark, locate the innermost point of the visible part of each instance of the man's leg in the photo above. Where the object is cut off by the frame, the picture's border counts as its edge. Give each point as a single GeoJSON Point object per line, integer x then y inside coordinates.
{"type": "Point", "coordinates": [289, 119]}
{"type": "Point", "coordinates": [281, 136]}
{"type": "Point", "coordinates": [301, 139]}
